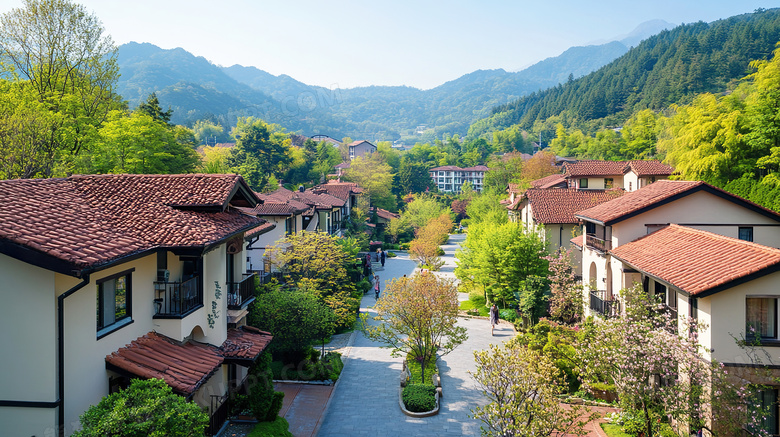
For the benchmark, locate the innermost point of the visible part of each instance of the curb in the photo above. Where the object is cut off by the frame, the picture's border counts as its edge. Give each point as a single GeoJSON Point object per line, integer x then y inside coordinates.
{"type": "Point", "coordinates": [433, 412]}
{"type": "Point", "coordinates": [345, 359]}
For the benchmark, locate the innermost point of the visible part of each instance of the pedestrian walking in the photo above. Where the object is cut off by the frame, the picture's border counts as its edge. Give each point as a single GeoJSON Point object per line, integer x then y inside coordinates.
{"type": "Point", "coordinates": [493, 318]}
{"type": "Point", "coordinates": [376, 286]}
{"type": "Point", "coordinates": [382, 257]}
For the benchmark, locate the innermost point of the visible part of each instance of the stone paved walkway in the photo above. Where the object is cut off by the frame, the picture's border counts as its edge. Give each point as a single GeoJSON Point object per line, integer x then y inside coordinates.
{"type": "Point", "coordinates": [365, 401]}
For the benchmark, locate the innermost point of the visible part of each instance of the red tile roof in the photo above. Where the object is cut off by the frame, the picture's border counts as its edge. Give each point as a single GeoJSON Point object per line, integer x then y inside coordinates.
{"type": "Point", "coordinates": [385, 214]}
{"type": "Point", "coordinates": [696, 261]}
{"type": "Point", "coordinates": [88, 222]}
{"type": "Point", "coordinates": [245, 343]}
{"type": "Point", "coordinates": [549, 182]}
{"type": "Point", "coordinates": [359, 142]}
{"type": "Point", "coordinates": [656, 194]}
{"type": "Point", "coordinates": [513, 188]}
{"type": "Point", "coordinates": [260, 230]}
{"type": "Point", "coordinates": [648, 168]}
{"type": "Point", "coordinates": [593, 168]}
{"type": "Point", "coordinates": [578, 241]}
{"type": "Point", "coordinates": [560, 205]}
{"type": "Point", "coordinates": [340, 190]}
{"type": "Point", "coordinates": [186, 366]}
{"type": "Point", "coordinates": [342, 165]}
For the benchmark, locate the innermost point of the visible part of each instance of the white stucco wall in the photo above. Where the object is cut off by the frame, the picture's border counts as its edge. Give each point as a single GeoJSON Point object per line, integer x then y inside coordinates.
{"type": "Point", "coordinates": [257, 250]}
{"type": "Point", "coordinates": [29, 358]}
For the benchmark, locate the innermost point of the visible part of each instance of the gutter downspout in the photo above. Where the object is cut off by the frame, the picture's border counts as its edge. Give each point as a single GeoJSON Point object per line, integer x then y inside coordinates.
{"type": "Point", "coordinates": [61, 353]}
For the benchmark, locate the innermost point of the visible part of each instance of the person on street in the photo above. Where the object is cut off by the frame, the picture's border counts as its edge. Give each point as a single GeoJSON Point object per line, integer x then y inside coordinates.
{"type": "Point", "coordinates": [493, 318]}
{"type": "Point", "coordinates": [376, 286]}
{"type": "Point", "coordinates": [382, 257]}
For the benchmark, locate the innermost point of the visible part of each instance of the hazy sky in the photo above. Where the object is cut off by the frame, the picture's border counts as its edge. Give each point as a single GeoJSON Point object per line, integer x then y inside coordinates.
{"type": "Point", "coordinates": [395, 42]}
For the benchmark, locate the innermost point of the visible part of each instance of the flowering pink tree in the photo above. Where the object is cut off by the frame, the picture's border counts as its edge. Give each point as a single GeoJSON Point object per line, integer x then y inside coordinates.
{"type": "Point", "coordinates": [659, 373]}
{"type": "Point", "coordinates": [566, 304]}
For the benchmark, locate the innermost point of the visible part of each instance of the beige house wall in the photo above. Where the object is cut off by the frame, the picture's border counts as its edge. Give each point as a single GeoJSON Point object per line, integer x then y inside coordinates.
{"type": "Point", "coordinates": [703, 211]}
{"type": "Point", "coordinates": [597, 183]}
{"type": "Point", "coordinates": [29, 309]}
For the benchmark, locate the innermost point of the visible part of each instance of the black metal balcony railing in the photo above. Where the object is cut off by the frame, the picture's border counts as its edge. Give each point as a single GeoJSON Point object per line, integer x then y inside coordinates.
{"type": "Point", "coordinates": [601, 305]}
{"type": "Point", "coordinates": [176, 299]}
{"type": "Point", "coordinates": [597, 243]}
{"type": "Point", "coordinates": [241, 293]}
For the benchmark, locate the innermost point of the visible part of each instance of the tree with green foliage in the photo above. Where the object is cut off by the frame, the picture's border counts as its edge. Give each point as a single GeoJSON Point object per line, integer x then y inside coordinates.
{"type": "Point", "coordinates": [208, 133]}
{"type": "Point", "coordinates": [497, 259]}
{"type": "Point", "coordinates": [263, 400]}
{"type": "Point", "coordinates": [71, 66]}
{"type": "Point", "coordinates": [137, 143]}
{"type": "Point", "coordinates": [504, 170]}
{"type": "Point", "coordinates": [297, 320]}
{"type": "Point", "coordinates": [152, 108]}
{"type": "Point", "coordinates": [521, 386]}
{"type": "Point", "coordinates": [375, 177]}
{"type": "Point", "coordinates": [147, 408]}
{"type": "Point", "coordinates": [486, 207]}
{"type": "Point", "coordinates": [418, 317]}
{"type": "Point", "coordinates": [422, 210]}
{"type": "Point", "coordinates": [316, 263]}
{"type": "Point", "coordinates": [414, 177]}
{"type": "Point", "coordinates": [261, 150]}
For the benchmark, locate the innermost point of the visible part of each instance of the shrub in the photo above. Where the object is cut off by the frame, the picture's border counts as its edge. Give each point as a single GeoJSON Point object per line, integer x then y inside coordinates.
{"type": "Point", "coordinates": [329, 367]}
{"type": "Point", "coordinates": [508, 314]}
{"type": "Point", "coordinates": [415, 370]}
{"type": "Point", "coordinates": [419, 398]}
{"type": "Point", "coordinates": [263, 400]}
{"type": "Point", "coordinates": [147, 407]}
{"type": "Point", "coordinates": [363, 286]}
{"type": "Point", "coordinates": [403, 246]}
{"type": "Point", "coordinates": [391, 255]}
{"type": "Point", "coordinates": [477, 298]}
{"type": "Point", "coordinates": [278, 428]}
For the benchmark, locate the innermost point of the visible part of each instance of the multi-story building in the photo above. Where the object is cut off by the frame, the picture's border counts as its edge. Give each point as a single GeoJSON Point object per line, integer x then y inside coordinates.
{"type": "Point", "coordinates": [360, 148]}
{"type": "Point", "coordinates": [107, 278]}
{"type": "Point", "coordinates": [450, 179]}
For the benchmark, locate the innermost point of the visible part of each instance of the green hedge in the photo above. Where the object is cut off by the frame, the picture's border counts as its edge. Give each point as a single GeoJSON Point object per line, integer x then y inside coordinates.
{"type": "Point", "coordinates": [277, 428]}
{"type": "Point", "coordinates": [419, 398]}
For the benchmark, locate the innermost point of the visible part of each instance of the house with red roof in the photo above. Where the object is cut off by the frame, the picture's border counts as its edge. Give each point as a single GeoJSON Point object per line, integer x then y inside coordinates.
{"type": "Point", "coordinates": [127, 276]}
{"type": "Point", "coordinates": [552, 211]}
{"type": "Point", "coordinates": [706, 254]}
{"type": "Point", "coordinates": [450, 178]}
{"type": "Point", "coordinates": [601, 175]}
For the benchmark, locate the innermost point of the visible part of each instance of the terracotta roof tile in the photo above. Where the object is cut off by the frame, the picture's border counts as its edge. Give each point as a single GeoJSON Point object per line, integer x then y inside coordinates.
{"type": "Point", "coordinates": [245, 343]}
{"type": "Point", "coordinates": [578, 241]}
{"type": "Point", "coordinates": [656, 194]}
{"type": "Point", "coordinates": [385, 214]}
{"type": "Point", "coordinates": [340, 190]}
{"type": "Point", "coordinates": [693, 260]}
{"type": "Point", "coordinates": [648, 168]}
{"type": "Point", "coordinates": [89, 221]}
{"type": "Point", "coordinates": [637, 200]}
{"type": "Point", "coordinates": [560, 205]}
{"type": "Point", "coordinates": [260, 230]}
{"type": "Point", "coordinates": [184, 367]}
{"type": "Point", "coordinates": [593, 168]}
{"type": "Point", "coordinates": [549, 182]}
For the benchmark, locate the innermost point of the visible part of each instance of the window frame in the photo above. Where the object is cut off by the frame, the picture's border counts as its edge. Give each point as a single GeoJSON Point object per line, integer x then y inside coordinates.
{"type": "Point", "coordinates": [104, 329]}
{"type": "Point", "coordinates": [585, 184]}
{"type": "Point", "coordinates": [760, 337]}
{"type": "Point", "coordinates": [747, 229]}
{"type": "Point", "coordinates": [609, 183]}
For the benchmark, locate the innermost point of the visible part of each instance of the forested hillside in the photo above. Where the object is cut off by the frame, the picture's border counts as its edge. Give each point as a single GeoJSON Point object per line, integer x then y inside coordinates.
{"type": "Point", "coordinates": [670, 67]}
{"type": "Point", "coordinates": [197, 90]}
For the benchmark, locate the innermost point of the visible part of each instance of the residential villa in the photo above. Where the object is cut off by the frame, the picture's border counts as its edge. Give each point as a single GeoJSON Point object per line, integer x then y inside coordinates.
{"type": "Point", "coordinates": [706, 253]}
{"type": "Point", "coordinates": [450, 179]}
{"type": "Point", "coordinates": [126, 276]}
{"type": "Point", "coordinates": [551, 211]}
{"type": "Point", "coordinates": [604, 175]}
{"type": "Point", "coordinates": [347, 192]}
{"type": "Point", "coordinates": [287, 216]}
{"type": "Point", "coordinates": [360, 148]}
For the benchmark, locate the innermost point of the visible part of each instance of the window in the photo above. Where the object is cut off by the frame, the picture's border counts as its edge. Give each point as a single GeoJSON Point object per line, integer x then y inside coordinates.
{"type": "Point", "coordinates": [746, 233]}
{"type": "Point", "coordinates": [114, 306]}
{"type": "Point", "coordinates": [583, 183]}
{"type": "Point", "coordinates": [590, 228]}
{"type": "Point", "coordinates": [289, 225]}
{"type": "Point", "coordinates": [608, 183]}
{"type": "Point", "coordinates": [761, 318]}
{"type": "Point", "coordinates": [660, 292]}
{"type": "Point", "coordinates": [629, 186]}
{"type": "Point", "coordinates": [765, 400]}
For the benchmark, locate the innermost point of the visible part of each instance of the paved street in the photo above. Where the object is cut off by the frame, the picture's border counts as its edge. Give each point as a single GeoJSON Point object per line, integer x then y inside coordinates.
{"type": "Point", "coordinates": [365, 401]}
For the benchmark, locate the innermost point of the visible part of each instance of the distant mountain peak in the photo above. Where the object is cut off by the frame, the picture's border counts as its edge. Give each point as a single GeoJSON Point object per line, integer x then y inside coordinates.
{"type": "Point", "coordinates": [641, 32]}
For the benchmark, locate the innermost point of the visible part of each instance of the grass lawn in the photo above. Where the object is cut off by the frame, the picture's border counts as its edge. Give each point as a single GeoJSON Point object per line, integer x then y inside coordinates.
{"type": "Point", "coordinates": [613, 430]}
{"type": "Point", "coordinates": [469, 305]}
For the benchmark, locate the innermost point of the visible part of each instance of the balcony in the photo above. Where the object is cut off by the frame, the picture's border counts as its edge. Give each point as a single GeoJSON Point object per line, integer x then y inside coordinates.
{"type": "Point", "coordinates": [177, 299]}
{"type": "Point", "coordinates": [603, 306]}
{"type": "Point", "coordinates": [240, 294]}
{"type": "Point", "coordinates": [597, 243]}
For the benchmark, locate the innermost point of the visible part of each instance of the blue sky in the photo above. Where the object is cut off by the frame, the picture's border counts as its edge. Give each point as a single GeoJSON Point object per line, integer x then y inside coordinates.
{"type": "Point", "coordinates": [398, 42]}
